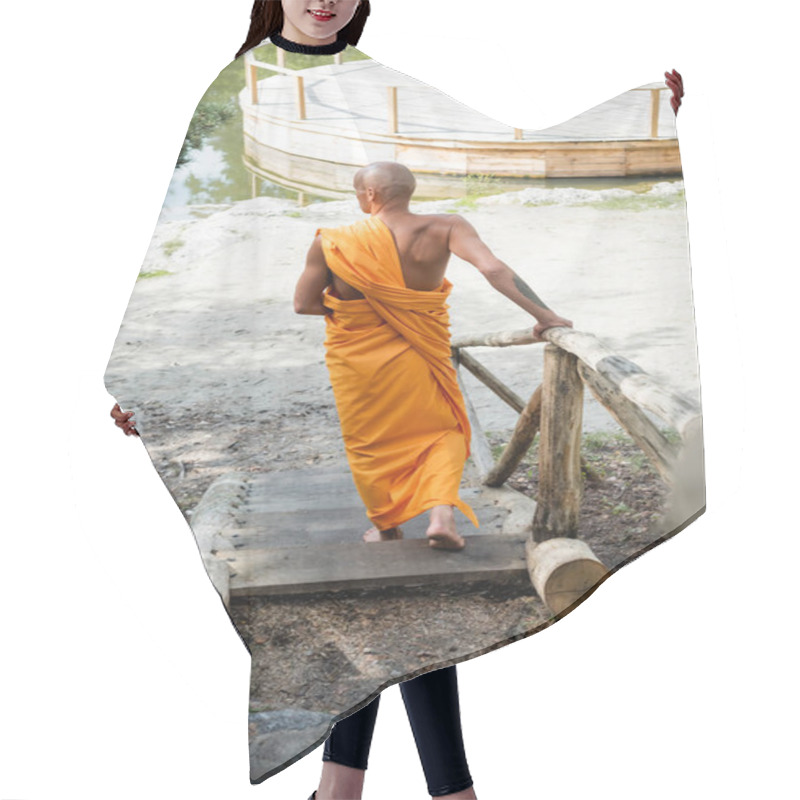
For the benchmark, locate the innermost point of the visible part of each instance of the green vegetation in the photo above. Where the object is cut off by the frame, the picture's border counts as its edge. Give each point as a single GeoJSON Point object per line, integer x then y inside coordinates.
{"type": "Point", "coordinates": [172, 245]}
{"type": "Point", "coordinates": [153, 273]}
{"type": "Point", "coordinates": [480, 184]}
{"type": "Point", "coordinates": [602, 440]}
{"type": "Point", "coordinates": [476, 185]}
{"type": "Point", "coordinates": [640, 202]}
{"type": "Point", "coordinates": [217, 122]}
{"type": "Point", "coordinates": [207, 117]}
{"type": "Point", "coordinates": [597, 445]}
{"type": "Point", "coordinates": [671, 435]}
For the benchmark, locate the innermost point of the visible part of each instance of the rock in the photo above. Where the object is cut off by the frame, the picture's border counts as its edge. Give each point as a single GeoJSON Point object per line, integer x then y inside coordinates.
{"type": "Point", "coordinates": [277, 736]}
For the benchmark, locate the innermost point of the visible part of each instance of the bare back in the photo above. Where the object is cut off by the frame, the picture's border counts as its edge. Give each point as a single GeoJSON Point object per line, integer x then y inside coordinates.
{"type": "Point", "coordinates": [422, 242]}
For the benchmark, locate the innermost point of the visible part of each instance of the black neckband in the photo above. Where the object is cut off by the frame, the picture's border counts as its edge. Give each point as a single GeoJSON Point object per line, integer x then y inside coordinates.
{"type": "Point", "coordinates": [312, 49]}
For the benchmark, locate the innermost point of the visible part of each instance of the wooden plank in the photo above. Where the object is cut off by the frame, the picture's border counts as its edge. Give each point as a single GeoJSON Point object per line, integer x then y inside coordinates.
{"type": "Point", "coordinates": [560, 481]}
{"type": "Point", "coordinates": [506, 394]}
{"type": "Point", "coordinates": [219, 573]}
{"type": "Point", "coordinates": [406, 562]}
{"type": "Point", "coordinates": [661, 452]}
{"type": "Point", "coordinates": [524, 433]}
{"type": "Point", "coordinates": [319, 525]}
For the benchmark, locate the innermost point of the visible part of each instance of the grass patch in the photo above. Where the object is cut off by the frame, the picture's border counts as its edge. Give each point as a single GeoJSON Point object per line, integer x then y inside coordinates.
{"type": "Point", "coordinates": [476, 186]}
{"type": "Point", "coordinates": [153, 273]}
{"type": "Point", "coordinates": [172, 245]}
{"type": "Point", "coordinates": [464, 204]}
{"type": "Point", "coordinates": [640, 202]}
{"type": "Point", "coordinates": [595, 441]}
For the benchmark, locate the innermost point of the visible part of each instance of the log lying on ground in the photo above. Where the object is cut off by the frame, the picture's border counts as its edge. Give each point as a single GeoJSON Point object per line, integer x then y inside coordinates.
{"type": "Point", "coordinates": [524, 433]}
{"type": "Point", "coordinates": [563, 571]}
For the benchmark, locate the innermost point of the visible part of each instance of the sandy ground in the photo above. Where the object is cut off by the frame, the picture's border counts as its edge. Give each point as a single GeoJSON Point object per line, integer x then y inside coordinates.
{"type": "Point", "coordinates": [222, 374]}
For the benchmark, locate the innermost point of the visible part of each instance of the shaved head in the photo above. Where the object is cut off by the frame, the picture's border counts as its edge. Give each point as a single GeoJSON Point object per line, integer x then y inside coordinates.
{"type": "Point", "coordinates": [389, 180]}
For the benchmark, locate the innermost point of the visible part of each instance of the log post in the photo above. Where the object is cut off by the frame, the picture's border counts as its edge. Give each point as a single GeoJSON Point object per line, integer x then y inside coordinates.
{"type": "Point", "coordinates": [301, 98]}
{"type": "Point", "coordinates": [655, 103]}
{"type": "Point", "coordinates": [560, 481]}
{"type": "Point", "coordinates": [524, 433]}
{"type": "Point", "coordinates": [563, 569]}
{"type": "Point", "coordinates": [392, 98]}
{"type": "Point", "coordinates": [252, 72]}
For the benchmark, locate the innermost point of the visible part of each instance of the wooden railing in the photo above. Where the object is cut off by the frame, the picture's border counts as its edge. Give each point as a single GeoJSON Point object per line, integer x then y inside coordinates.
{"type": "Point", "coordinates": [655, 106]}
{"type": "Point", "coordinates": [252, 65]}
{"type": "Point", "coordinates": [563, 568]}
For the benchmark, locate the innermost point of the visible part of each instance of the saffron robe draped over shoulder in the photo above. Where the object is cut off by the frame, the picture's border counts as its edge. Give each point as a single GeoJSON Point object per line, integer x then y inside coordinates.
{"type": "Point", "coordinates": [403, 418]}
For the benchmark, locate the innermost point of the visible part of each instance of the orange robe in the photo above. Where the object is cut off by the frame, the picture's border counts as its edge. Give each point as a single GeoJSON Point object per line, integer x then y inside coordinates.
{"type": "Point", "coordinates": [402, 414]}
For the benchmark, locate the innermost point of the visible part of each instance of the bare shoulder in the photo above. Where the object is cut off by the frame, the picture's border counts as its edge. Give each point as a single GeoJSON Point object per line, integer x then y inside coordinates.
{"type": "Point", "coordinates": [445, 223]}
{"type": "Point", "coordinates": [460, 227]}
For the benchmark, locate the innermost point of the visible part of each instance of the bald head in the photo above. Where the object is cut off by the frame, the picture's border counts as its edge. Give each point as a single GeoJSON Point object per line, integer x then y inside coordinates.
{"type": "Point", "coordinates": [389, 180]}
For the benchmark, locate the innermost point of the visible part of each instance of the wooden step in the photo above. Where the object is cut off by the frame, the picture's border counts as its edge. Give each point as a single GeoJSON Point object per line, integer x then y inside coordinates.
{"type": "Point", "coordinates": [359, 565]}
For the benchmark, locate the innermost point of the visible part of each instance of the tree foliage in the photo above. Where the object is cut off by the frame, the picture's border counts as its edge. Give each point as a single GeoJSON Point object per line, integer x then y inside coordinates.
{"type": "Point", "coordinates": [207, 117]}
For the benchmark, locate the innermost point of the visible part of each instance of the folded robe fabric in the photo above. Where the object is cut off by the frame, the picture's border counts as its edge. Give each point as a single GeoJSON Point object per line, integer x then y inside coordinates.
{"type": "Point", "coordinates": [256, 418]}
{"type": "Point", "coordinates": [402, 415]}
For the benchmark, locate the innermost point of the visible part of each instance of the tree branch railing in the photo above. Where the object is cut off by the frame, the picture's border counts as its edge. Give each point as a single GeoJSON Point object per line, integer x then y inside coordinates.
{"type": "Point", "coordinates": [562, 568]}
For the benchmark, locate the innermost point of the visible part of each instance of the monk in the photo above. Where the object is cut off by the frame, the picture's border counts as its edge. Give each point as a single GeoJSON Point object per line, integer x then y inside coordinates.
{"type": "Point", "coordinates": [380, 283]}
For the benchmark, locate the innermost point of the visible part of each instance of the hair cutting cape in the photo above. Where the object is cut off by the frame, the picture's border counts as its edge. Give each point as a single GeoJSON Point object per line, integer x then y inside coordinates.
{"type": "Point", "coordinates": [282, 437]}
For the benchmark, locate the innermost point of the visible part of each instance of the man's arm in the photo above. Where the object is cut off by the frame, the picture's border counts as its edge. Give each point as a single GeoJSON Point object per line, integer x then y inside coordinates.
{"type": "Point", "coordinates": [313, 280]}
{"type": "Point", "coordinates": [466, 244]}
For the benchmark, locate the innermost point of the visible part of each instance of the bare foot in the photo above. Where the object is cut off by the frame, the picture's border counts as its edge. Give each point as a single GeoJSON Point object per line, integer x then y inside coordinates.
{"type": "Point", "coordinates": [442, 533]}
{"type": "Point", "coordinates": [374, 535]}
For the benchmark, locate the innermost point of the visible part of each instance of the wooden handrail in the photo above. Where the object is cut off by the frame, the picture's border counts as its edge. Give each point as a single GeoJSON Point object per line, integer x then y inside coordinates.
{"type": "Point", "coordinates": [251, 79]}
{"type": "Point", "coordinates": [573, 359]}
{"type": "Point", "coordinates": [655, 105]}
{"type": "Point", "coordinates": [642, 389]}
